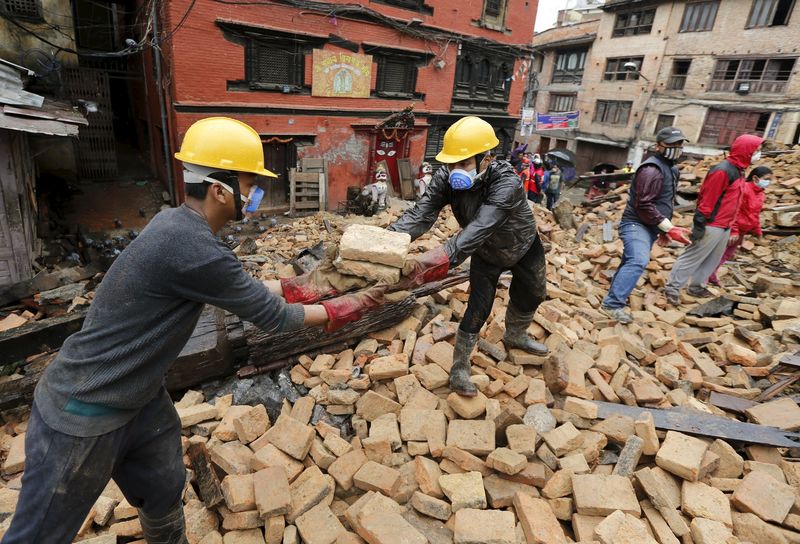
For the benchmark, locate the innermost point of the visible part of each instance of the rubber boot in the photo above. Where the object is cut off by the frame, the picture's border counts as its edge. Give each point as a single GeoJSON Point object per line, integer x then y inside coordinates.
{"type": "Point", "coordinates": [459, 374]}
{"type": "Point", "coordinates": [516, 336]}
{"type": "Point", "coordinates": [169, 529]}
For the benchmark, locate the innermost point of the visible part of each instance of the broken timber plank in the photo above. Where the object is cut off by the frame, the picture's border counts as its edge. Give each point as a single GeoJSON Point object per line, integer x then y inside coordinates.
{"type": "Point", "coordinates": [730, 403]}
{"type": "Point", "coordinates": [38, 336]}
{"type": "Point", "coordinates": [693, 422]}
{"type": "Point", "coordinates": [207, 481]}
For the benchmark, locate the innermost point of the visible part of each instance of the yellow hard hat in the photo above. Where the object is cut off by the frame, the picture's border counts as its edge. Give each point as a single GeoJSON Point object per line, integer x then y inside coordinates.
{"type": "Point", "coordinates": [224, 143]}
{"type": "Point", "coordinates": [466, 138]}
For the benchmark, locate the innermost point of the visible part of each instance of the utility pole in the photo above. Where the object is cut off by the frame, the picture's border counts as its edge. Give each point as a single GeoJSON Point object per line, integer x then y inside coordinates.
{"type": "Point", "coordinates": [163, 107]}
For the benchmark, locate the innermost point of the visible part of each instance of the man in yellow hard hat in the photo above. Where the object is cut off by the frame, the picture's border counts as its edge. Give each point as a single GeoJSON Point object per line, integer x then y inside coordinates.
{"type": "Point", "coordinates": [498, 232]}
{"type": "Point", "coordinates": [101, 410]}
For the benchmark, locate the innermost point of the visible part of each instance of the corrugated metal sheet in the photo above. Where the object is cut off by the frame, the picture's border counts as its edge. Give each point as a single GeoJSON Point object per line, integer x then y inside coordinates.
{"type": "Point", "coordinates": [37, 126]}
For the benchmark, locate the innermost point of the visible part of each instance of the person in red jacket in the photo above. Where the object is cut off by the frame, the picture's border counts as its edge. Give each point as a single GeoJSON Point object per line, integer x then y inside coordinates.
{"type": "Point", "coordinates": [748, 220]}
{"type": "Point", "coordinates": [717, 206]}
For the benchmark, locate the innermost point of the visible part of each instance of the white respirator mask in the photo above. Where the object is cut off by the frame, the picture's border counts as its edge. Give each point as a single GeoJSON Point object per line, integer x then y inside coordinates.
{"type": "Point", "coordinates": [756, 157]}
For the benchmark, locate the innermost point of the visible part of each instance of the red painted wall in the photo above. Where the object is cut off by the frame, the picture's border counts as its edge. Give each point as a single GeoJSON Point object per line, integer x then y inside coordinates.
{"type": "Point", "coordinates": [199, 62]}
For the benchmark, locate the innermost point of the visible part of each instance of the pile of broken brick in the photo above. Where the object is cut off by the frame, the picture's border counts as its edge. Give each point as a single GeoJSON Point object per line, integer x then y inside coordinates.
{"type": "Point", "coordinates": [536, 457]}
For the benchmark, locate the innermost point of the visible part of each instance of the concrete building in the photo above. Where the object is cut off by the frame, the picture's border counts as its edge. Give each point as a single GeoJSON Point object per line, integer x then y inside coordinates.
{"type": "Point", "coordinates": [278, 67]}
{"type": "Point", "coordinates": [715, 69]}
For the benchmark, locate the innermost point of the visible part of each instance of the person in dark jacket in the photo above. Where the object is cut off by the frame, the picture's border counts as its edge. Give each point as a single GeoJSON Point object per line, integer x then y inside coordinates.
{"type": "Point", "coordinates": [717, 206]}
{"type": "Point", "coordinates": [646, 219]}
{"type": "Point", "coordinates": [498, 233]}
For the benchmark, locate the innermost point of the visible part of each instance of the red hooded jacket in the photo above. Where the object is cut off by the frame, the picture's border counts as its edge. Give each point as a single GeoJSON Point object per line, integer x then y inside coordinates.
{"type": "Point", "coordinates": [717, 182]}
{"type": "Point", "coordinates": [748, 219]}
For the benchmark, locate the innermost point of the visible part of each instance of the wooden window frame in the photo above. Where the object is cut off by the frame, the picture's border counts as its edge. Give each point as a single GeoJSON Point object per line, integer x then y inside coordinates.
{"type": "Point", "coordinates": [730, 73]}
{"type": "Point", "coordinates": [494, 21]}
{"type": "Point", "coordinates": [565, 75]}
{"type": "Point", "coordinates": [480, 82]}
{"type": "Point", "coordinates": [383, 56]}
{"type": "Point", "coordinates": [32, 15]}
{"type": "Point", "coordinates": [411, 5]}
{"type": "Point", "coordinates": [558, 97]}
{"type": "Point", "coordinates": [659, 125]}
{"type": "Point", "coordinates": [677, 82]}
{"type": "Point", "coordinates": [615, 69]}
{"type": "Point", "coordinates": [295, 70]}
{"type": "Point", "coordinates": [624, 28]}
{"type": "Point", "coordinates": [720, 127]}
{"type": "Point", "coordinates": [605, 109]}
{"type": "Point", "coordinates": [699, 16]}
{"type": "Point", "coordinates": [763, 12]}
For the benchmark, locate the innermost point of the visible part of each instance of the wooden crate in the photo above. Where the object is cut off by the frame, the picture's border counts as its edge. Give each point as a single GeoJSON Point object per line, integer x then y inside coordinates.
{"type": "Point", "coordinates": [308, 188]}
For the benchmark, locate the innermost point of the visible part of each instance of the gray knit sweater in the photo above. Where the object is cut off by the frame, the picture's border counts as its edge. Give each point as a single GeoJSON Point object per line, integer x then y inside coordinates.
{"type": "Point", "coordinates": [143, 314]}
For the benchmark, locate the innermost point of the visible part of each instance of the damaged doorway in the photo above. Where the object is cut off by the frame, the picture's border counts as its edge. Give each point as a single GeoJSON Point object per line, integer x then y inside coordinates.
{"type": "Point", "coordinates": [280, 154]}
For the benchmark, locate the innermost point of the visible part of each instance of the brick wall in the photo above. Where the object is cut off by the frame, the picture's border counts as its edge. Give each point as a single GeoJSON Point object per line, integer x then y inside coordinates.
{"type": "Point", "coordinates": [200, 62]}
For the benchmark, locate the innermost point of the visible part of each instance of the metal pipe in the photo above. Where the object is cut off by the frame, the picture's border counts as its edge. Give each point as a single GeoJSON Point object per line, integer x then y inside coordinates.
{"type": "Point", "coordinates": [163, 108]}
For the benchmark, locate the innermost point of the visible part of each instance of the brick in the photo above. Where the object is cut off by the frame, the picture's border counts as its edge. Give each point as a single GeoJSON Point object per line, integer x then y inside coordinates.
{"type": "Point", "coordinates": [580, 407]}
{"type": "Point", "coordinates": [440, 354]}
{"type": "Point", "coordinates": [291, 437]}
{"type": "Point", "coordinates": [307, 490]}
{"type": "Point", "coordinates": [782, 413]}
{"type": "Point", "coordinates": [563, 439]}
{"type": "Point", "coordinates": [416, 424]}
{"type": "Point", "coordinates": [467, 407]}
{"type": "Point", "coordinates": [290, 535]}
{"type": "Point", "coordinates": [506, 461]}
{"type": "Point", "coordinates": [303, 408]}
{"type": "Point", "coordinates": [522, 439]}
{"type": "Point", "coordinates": [389, 367]}
{"type": "Point", "coordinates": [559, 485]}
{"type": "Point", "coordinates": [600, 495]}
{"type": "Point", "coordinates": [699, 500]}
{"type": "Point", "coordinates": [322, 362]}
{"type": "Point", "coordinates": [575, 463]}
{"type": "Point", "coordinates": [427, 474]}
{"type": "Point", "coordinates": [431, 506]}
{"type": "Point", "coordinates": [273, 496]}
{"type": "Point", "coordinates": [662, 500]}
{"type": "Point", "coordinates": [234, 521]}
{"type": "Point", "coordinates": [371, 271]}
{"type": "Point", "coordinates": [629, 457]}
{"type": "Point", "coordinates": [538, 522]}
{"type": "Point", "coordinates": [731, 464]}
{"type": "Point", "coordinates": [373, 476]}
{"type": "Point", "coordinates": [660, 527]}
{"type": "Point", "coordinates": [385, 428]}
{"type": "Point", "coordinates": [238, 492]}
{"type": "Point", "coordinates": [247, 536]}
{"type": "Point", "coordinates": [15, 461]}
{"type": "Point", "coordinates": [465, 460]}
{"type": "Point", "coordinates": [620, 527]}
{"type": "Point", "coordinates": [252, 424]}
{"type": "Point", "coordinates": [518, 385]}
{"type": "Point", "coordinates": [346, 466]}
{"type": "Point", "coordinates": [740, 355]}
{"type": "Point", "coordinates": [431, 376]}
{"type": "Point", "coordinates": [500, 491]}
{"type": "Point", "coordinates": [337, 445]}
{"type": "Point", "coordinates": [706, 531]}
{"type": "Point", "coordinates": [232, 457]}
{"type": "Point", "coordinates": [389, 528]}
{"type": "Point", "coordinates": [274, 529]}
{"type": "Point", "coordinates": [319, 526]}
{"type": "Point", "coordinates": [645, 428]}
{"type": "Point", "coordinates": [682, 455]}
{"type": "Point", "coordinates": [474, 436]}
{"type": "Point", "coordinates": [192, 415]}
{"type": "Point", "coordinates": [484, 527]}
{"type": "Point", "coordinates": [104, 509]}
{"type": "Point", "coordinates": [617, 428]}
{"type": "Point", "coordinates": [764, 496]}
{"type": "Point", "coordinates": [374, 245]}
{"type": "Point", "coordinates": [124, 510]}
{"type": "Point", "coordinates": [270, 456]}
{"type": "Point", "coordinates": [464, 490]}
{"type": "Point", "coordinates": [537, 392]}
{"type": "Point", "coordinates": [368, 503]}
{"type": "Point", "coordinates": [583, 526]}
{"type": "Point", "coordinates": [373, 405]}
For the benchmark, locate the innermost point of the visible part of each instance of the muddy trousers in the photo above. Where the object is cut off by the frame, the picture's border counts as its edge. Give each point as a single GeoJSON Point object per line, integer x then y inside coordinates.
{"type": "Point", "coordinates": [528, 286]}
{"type": "Point", "coordinates": [65, 474]}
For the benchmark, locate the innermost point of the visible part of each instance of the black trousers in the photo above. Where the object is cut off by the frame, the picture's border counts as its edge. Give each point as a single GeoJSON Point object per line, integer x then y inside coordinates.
{"type": "Point", "coordinates": [65, 474]}
{"type": "Point", "coordinates": [528, 286]}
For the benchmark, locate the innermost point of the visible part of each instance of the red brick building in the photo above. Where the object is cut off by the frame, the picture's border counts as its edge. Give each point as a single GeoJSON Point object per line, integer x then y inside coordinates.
{"type": "Point", "coordinates": [254, 60]}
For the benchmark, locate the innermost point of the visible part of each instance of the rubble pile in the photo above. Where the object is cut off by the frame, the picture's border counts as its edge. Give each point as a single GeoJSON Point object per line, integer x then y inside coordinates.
{"type": "Point", "coordinates": [573, 447]}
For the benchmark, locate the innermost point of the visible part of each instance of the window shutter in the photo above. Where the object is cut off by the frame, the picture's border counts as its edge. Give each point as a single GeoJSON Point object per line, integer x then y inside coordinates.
{"type": "Point", "coordinates": [494, 8]}
{"type": "Point", "coordinates": [396, 76]}
{"type": "Point", "coordinates": [27, 9]}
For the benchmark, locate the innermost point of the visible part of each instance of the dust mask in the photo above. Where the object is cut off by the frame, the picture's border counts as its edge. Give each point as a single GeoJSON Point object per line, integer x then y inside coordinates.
{"type": "Point", "coordinates": [461, 180]}
{"type": "Point", "coordinates": [672, 153]}
{"type": "Point", "coordinates": [763, 183]}
{"type": "Point", "coordinates": [756, 157]}
{"type": "Point", "coordinates": [254, 200]}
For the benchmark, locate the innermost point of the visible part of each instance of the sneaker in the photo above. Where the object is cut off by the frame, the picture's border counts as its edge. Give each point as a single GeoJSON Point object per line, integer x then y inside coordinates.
{"type": "Point", "coordinates": [673, 297]}
{"type": "Point", "coordinates": [699, 292]}
{"type": "Point", "coordinates": [618, 314]}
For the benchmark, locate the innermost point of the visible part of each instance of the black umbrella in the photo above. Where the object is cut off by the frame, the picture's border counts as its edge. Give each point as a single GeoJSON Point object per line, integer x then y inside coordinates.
{"type": "Point", "coordinates": [564, 157]}
{"type": "Point", "coordinates": [598, 168]}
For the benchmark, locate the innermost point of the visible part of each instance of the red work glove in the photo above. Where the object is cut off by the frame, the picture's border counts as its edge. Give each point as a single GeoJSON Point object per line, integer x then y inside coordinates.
{"type": "Point", "coordinates": [306, 289]}
{"type": "Point", "coordinates": [430, 266]}
{"type": "Point", "coordinates": [678, 234]}
{"type": "Point", "coordinates": [735, 239]}
{"type": "Point", "coordinates": [347, 308]}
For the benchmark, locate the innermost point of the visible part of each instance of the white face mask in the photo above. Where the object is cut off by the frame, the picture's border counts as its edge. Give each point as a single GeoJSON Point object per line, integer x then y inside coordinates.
{"type": "Point", "coordinates": [756, 156]}
{"type": "Point", "coordinates": [672, 153]}
{"type": "Point", "coordinates": [763, 183]}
